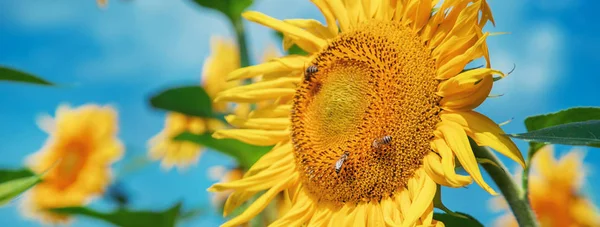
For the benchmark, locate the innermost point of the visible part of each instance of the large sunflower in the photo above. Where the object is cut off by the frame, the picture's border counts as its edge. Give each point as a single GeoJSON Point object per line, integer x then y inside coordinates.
{"type": "Point", "coordinates": [555, 192]}
{"type": "Point", "coordinates": [369, 122]}
{"type": "Point", "coordinates": [78, 155]}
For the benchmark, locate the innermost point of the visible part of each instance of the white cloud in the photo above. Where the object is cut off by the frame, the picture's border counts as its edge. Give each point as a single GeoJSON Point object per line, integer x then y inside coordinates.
{"type": "Point", "coordinates": [538, 58]}
{"type": "Point", "coordinates": [535, 46]}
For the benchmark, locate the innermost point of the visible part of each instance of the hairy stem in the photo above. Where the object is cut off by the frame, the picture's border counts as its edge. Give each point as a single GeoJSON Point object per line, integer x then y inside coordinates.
{"type": "Point", "coordinates": [525, 177]}
{"type": "Point", "coordinates": [510, 190]}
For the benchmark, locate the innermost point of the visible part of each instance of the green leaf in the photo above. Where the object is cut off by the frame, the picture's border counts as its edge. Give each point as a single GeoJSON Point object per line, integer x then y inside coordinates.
{"type": "Point", "coordinates": [127, 218]}
{"type": "Point", "coordinates": [294, 49]}
{"type": "Point", "coordinates": [450, 220]}
{"type": "Point", "coordinates": [12, 174]}
{"type": "Point", "coordinates": [586, 133]}
{"type": "Point", "coordinates": [576, 114]}
{"type": "Point", "coordinates": [231, 8]}
{"type": "Point", "coordinates": [8, 74]}
{"type": "Point", "coordinates": [15, 182]}
{"type": "Point", "coordinates": [188, 100]}
{"type": "Point", "coordinates": [244, 153]}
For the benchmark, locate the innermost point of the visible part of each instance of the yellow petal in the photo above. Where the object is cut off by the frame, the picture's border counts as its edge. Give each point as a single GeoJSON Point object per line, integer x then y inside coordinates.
{"type": "Point", "coordinates": [391, 215]}
{"type": "Point", "coordinates": [457, 140]}
{"type": "Point", "coordinates": [339, 216]}
{"type": "Point", "coordinates": [259, 123]}
{"type": "Point", "coordinates": [298, 215]}
{"type": "Point", "coordinates": [253, 136]}
{"type": "Point", "coordinates": [339, 11]}
{"type": "Point", "coordinates": [419, 11]}
{"type": "Point", "coordinates": [351, 216]}
{"type": "Point", "coordinates": [404, 200]}
{"type": "Point", "coordinates": [421, 201]}
{"type": "Point", "coordinates": [284, 82]}
{"type": "Point", "coordinates": [485, 133]}
{"type": "Point", "coordinates": [283, 64]}
{"type": "Point", "coordinates": [282, 153]}
{"type": "Point", "coordinates": [449, 21]}
{"type": "Point", "coordinates": [313, 42]}
{"type": "Point", "coordinates": [329, 17]}
{"type": "Point", "coordinates": [262, 202]}
{"type": "Point", "coordinates": [465, 82]}
{"type": "Point", "coordinates": [375, 215]}
{"type": "Point", "coordinates": [355, 11]}
{"type": "Point", "coordinates": [486, 14]}
{"type": "Point", "coordinates": [427, 217]}
{"type": "Point", "coordinates": [320, 217]}
{"type": "Point", "coordinates": [370, 7]}
{"type": "Point", "coordinates": [466, 101]}
{"type": "Point", "coordinates": [258, 182]}
{"type": "Point", "coordinates": [465, 22]}
{"type": "Point", "coordinates": [361, 214]}
{"type": "Point", "coordinates": [454, 46]}
{"type": "Point", "coordinates": [253, 96]}
{"type": "Point", "coordinates": [236, 199]}
{"type": "Point", "coordinates": [441, 173]}
{"type": "Point", "coordinates": [457, 64]}
{"type": "Point", "coordinates": [272, 111]}
{"type": "Point", "coordinates": [313, 26]}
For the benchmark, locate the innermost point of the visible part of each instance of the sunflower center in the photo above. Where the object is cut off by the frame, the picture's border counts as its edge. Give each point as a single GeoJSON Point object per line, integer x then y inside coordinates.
{"type": "Point", "coordinates": [70, 164]}
{"type": "Point", "coordinates": [363, 121]}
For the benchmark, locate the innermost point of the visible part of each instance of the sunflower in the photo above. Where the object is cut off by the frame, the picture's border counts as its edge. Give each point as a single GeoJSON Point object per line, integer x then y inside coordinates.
{"type": "Point", "coordinates": [224, 59]}
{"type": "Point", "coordinates": [368, 122]}
{"type": "Point", "coordinates": [78, 155]}
{"type": "Point", "coordinates": [102, 3]}
{"type": "Point", "coordinates": [554, 192]}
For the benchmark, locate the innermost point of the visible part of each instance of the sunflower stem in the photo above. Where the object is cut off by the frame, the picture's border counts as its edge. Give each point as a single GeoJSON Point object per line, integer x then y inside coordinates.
{"type": "Point", "coordinates": [525, 177]}
{"type": "Point", "coordinates": [240, 35]}
{"type": "Point", "coordinates": [510, 190]}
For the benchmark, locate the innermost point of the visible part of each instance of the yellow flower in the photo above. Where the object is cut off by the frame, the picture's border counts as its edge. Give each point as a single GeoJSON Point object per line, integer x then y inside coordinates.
{"type": "Point", "coordinates": [81, 147]}
{"type": "Point", "coordinates": [369, 122]}
{"type": "Point", "coordinates": [554, 192]}
{"type": "Point", "coordinates": [224, 59]}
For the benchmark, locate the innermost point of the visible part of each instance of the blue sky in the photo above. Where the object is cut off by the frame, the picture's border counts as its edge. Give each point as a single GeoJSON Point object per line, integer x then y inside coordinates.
{"type": "Point", "coordinates": [122, 54]}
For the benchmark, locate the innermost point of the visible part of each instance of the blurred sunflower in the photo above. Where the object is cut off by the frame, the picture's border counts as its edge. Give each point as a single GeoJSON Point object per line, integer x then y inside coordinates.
{"type": "Point", "coordinates": [224, 59]}
{"type": "Point", "coordinates": [367, 124]}
{"type": "Point", "coordinates": [554, 192]}
{"type": "Point", "coordinates": [81, 147]}
{"type": "Point", "coordinates": [102, 3]}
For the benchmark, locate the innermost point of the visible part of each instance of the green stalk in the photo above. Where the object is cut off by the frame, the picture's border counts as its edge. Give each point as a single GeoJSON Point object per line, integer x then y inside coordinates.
{"type": "Point", "coordinates": [240, 35]}
{"type": "Point", "coordinates": [525, 177]}
{"type": "Point", "coordinates": [510, 190]}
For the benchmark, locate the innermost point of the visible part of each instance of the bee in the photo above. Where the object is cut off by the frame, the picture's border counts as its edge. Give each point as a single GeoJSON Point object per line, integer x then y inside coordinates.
{"type": "Point", "coordinates": [308, 73]}
{"type": "Point", "coordinates": [377, 143]}
{"type": "Point", "coordinates": [340, 162]}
